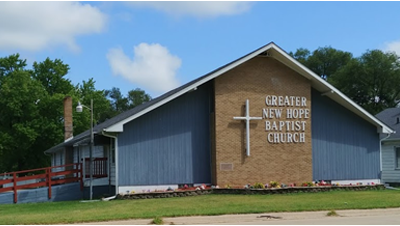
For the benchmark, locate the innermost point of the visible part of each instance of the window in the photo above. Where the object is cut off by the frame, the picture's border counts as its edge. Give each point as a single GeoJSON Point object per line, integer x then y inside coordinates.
{"type": "Point", "coordinates": [61, 158]}
{"type": "Point", "coordinates": [397, 157]}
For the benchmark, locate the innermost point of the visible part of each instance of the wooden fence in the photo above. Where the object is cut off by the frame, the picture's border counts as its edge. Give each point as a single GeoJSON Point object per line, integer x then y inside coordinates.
{"type": "Point", "coordinates": [43, 177]}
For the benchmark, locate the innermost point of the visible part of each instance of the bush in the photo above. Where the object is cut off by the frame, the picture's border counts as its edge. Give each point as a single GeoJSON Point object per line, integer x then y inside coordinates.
{"type": "Point", "coordinates": [274, 184]}
{"type": "Point", "coordinates": [308, 184]}
{"type": "Point", "coordinates": [332, 213]}
{"type": "Point", "coordinates": [259, 185]}
{"type": "Point", "coordinates": [158, 220]}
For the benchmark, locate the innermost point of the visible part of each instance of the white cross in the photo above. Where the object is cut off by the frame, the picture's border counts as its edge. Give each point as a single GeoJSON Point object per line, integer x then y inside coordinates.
{"type": "Point", "coordinates": [247, 118]}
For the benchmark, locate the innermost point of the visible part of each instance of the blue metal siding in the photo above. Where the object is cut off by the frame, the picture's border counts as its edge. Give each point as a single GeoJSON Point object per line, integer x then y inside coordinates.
{"type": "Point", "coordinates": [390, 173]}
{"type": "Point", "coordinates": [65, 192]}
{"type": "Point", "coordinates": [344, 146]}
{"type": "Point", "coordinates": [169, 145]}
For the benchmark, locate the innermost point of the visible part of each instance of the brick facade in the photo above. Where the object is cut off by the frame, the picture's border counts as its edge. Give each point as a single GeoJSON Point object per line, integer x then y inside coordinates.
{"type": "Point", "coordinates": [282, 162]}
{"type": "Point", "coordinates": [68, 127]}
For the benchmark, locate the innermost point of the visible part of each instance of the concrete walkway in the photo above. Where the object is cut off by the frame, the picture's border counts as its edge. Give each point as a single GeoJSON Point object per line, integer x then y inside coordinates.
{"type": "Point", "coordinates": [364, 217]}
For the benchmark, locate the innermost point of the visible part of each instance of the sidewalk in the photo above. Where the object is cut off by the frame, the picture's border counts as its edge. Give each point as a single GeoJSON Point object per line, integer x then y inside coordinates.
{"type": "Point", "coordinates": [318, 217]}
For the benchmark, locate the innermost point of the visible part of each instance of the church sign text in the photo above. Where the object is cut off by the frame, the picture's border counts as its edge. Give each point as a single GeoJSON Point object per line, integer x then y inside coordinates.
{"type": "Point", "coordinates": [285, 118]}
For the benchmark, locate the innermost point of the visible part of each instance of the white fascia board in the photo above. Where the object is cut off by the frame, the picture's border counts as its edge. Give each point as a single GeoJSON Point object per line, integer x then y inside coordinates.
{"type": "Point", "coordinates": [385, 130]}
{"type": "Point", "coordinates": [118, 127]}
{"type": "Point", "coordinates": [382, 127]}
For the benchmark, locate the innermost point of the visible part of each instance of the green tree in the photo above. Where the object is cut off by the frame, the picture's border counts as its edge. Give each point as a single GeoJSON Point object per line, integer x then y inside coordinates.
{"type": "Point", "coordinates": [51, 73]}
{"type": "Point", "coordinates": [137, 97]}
{"type": "Point", "coordinates": [301, 55]}
{"type": "Point", "coordinates": [11, 64]}
{"type": "Point", "coordinates": [372, 80]}
{"type": "Point", "coordinates": [31, 107]}
{"type": "Point", "coordinates": [21, 122]}
{"type": "Point", "coordinates": [119, 103]}
{"type": "Point", "coordinates": [327, 60]}
{"type": "Point", "coordinates": [101, 105]}
{"type": "Point", "coordinates": [324, 61]}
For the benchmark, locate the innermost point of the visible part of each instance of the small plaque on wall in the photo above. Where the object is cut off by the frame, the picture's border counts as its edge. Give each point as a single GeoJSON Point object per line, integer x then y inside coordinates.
{"type": "Point", "coordinates": [226, 166]}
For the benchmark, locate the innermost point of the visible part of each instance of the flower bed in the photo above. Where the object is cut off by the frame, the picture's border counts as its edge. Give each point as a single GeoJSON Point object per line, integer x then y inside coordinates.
{"type": "Point", "coordinates": [240, 191]}
{"type": "Point", "coordinates": [166, 194]}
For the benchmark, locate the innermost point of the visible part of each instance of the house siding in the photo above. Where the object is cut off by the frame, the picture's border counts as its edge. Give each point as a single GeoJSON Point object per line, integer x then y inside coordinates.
{"type": "Point", "coordinates": [98, 151]}
{"type": "Point", "coordinates": [389, 172]}
{"type": "Point", "coordinates": [65, 192]}
{"type": "Point", "coordinates": [170, 145]}
{"type": "Point", "coordinates": [344, 146]}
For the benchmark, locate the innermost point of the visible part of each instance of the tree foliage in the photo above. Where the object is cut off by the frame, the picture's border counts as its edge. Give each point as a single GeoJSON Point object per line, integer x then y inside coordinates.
{"type": "Point", "coordinates": [372, 80]}
{"type": "Point", "coordinates": [11, 64]}
{"type": "Point", "coordinates": [119, 103]}
{"type": "Point", "coordinates": [31, 109]}
{"type": "Point", "coordinates": [324, 61]}
{"type": "Point", "coordinates": [51, 75]}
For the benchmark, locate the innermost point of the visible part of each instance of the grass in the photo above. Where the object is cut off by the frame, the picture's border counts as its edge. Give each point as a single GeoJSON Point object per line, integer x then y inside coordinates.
{"type": "Point", "coordinates": [332, 213]}
{"type": "Point", "coordinates": [76, 212]}
{"type": "Point", "coordinates": [158, 220]}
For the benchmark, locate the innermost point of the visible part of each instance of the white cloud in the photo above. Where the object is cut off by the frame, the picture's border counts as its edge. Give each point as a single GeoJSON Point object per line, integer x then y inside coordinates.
{"type": "Point", "coordinates": [201, 9]}
{"type": "Point", "coordinates": [35, 26]}
{"type": "Point", "coordinates": [393, 47]}
{"type": "Point", "coordinates": [152, 67]}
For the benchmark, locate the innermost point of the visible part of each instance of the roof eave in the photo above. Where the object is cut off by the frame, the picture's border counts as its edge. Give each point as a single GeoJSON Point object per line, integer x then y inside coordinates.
{"type": "Point", "coordinates": [61, 146]}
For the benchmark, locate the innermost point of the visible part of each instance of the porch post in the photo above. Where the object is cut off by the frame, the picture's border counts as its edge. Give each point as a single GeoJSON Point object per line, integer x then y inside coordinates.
{"type": "Point", "coordinates": [49, 180]}
{"type": "Point", "coordinates": [15, 187]}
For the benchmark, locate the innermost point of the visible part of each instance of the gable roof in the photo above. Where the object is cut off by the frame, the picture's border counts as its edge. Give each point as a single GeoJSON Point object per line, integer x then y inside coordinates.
{"type": "Point", "coordinates": [115, 124]}
{"type": "Point", "coordinates": [389, 117]}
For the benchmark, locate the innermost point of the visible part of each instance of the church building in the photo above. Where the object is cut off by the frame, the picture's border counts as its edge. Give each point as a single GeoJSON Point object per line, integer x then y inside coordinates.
{"type": "Point", "coordinates": [263, 117]}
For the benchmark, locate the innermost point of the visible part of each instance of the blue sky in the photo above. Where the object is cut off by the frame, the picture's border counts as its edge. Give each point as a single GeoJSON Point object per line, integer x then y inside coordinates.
{"type": "Point", "coordinates": [158, 46]}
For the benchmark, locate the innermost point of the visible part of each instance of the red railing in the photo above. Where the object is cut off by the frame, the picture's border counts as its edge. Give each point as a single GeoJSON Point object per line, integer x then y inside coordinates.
{"type": "Point", "coordinates": [43, 177]}
{"type": "Point", "coordinates": [99, 168]}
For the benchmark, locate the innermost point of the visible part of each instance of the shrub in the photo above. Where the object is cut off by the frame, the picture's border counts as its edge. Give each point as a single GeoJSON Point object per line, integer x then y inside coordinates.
{"type": "Point", "coordinates": [308, 184]}
{"type": "Point", "coordinates": [274, 184]}
{"type": "Point", "coordinates": [332, 213]}
{"type": "Point", "coordinates": [259, 185]}
{"type": "Point", "coordinates": [157, 220]}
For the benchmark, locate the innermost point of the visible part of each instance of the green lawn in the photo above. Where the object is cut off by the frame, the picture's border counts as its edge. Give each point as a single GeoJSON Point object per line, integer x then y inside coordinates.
{"type": "Point", "coordinates": [75, 211]}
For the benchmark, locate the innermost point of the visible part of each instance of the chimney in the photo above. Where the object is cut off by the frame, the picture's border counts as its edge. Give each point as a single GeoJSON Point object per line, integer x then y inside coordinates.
{"type": "Point", "coordinates": [67, 117]}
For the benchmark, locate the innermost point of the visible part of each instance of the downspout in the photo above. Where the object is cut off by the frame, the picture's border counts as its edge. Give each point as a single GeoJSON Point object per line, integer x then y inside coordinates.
{"type": "Point", "coordinates": [116, 159]}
